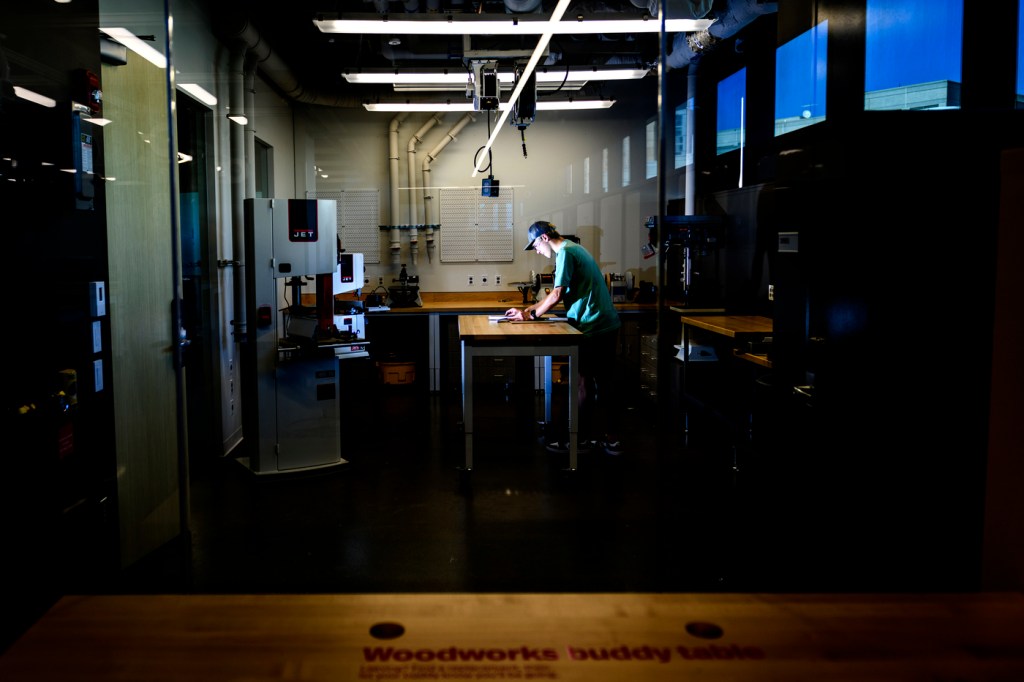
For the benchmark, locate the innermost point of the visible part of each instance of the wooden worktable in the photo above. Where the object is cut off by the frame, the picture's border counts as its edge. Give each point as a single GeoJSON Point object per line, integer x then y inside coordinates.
{"type": "Point", "coordinates": [481, 337]}
{"type": "Point", "coordinates": [495, 301]}
{"type": "Point", "coordinates": [583, 637]}
{"type": "Point", "coordinates": [480, 328]}
{"type": "Point", "coordinates": [733, 326]}
{"type": "Point", "coordinates": [738, 327]}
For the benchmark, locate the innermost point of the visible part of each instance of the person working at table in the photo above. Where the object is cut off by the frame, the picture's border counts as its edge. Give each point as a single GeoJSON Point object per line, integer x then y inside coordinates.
{"type": "Point", "coordinates": [579, 284]}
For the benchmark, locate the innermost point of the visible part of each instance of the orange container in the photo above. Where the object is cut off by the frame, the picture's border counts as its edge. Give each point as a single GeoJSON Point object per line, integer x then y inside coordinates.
{"type": "Point", "coordinates": [397, 372]}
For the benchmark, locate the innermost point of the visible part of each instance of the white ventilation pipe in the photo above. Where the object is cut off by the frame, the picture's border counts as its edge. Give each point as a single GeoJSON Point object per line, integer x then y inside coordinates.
{"type": "Point", "coordinates": [394, 235]}
{"type": "Point", "coordinates": [413, 204]}
{"type": "Point", "coordinates": [429, 208]}
{"type": "Point", "coordinates": [249, 85]}
{"type": "Point", "coordinates": [236, 135]}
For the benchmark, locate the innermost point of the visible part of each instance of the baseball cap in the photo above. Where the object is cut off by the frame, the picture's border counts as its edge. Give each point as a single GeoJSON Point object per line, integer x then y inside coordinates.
{"type": "Point", "coordinates": [537, 229]}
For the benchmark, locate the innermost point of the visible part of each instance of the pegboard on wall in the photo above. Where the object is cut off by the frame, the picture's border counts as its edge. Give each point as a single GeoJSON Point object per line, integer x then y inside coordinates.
{"type": "Point", "coordinates": [358, 221]}
{"type": "Point", "coordinates": [476, 228]}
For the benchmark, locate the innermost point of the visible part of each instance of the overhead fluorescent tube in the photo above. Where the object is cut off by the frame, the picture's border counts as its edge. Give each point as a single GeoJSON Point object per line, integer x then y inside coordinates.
{"type": "Point", "coordinates": [34, 97]}
{"type": "Point", "coordinates": [468, 106]}
{"type": "Point", "coordinates": [139, 47]}
{"type": "Point", "coordinates": [460, 78]}
{"type": "Point", "coordinates": [199, 93]}
{"type": "Point", "coordinates": [502, 25]}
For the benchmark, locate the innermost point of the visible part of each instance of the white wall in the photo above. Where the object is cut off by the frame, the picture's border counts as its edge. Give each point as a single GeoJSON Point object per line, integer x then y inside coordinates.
{"type": "Point", "coordinates": [273, 123]}
{"type": "Point", "coordinates": [548, 182]}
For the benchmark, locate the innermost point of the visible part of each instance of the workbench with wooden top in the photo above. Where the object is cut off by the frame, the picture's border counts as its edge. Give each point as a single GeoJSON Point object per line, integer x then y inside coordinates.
{"type": "Point", "coordinates": [544, 338]}
{"type": "Point", "coordinates": [493, 301]}
{"type": "Point", "coordinates": [725, 396]}
{"type": "Point", "coordinates": [569, 637]}
{"type": "Point", "coordinates": [436, 319]}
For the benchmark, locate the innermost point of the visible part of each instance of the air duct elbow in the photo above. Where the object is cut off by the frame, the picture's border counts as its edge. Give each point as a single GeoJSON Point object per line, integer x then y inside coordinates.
{"type": "Point", "coordinates": [522, 6]}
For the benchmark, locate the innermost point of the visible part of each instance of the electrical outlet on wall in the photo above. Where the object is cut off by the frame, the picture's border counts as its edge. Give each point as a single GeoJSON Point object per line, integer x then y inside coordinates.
{"type": "Point", "coordinates": [483, 280]}
{"type": "Point", "coordinates": [470, 282]}
{"type": "Point", "coordinates": [497, 280]}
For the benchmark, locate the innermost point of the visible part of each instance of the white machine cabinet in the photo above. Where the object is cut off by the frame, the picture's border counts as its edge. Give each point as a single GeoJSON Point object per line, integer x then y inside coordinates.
{"type": "Point", "coordinates": [291, 403]}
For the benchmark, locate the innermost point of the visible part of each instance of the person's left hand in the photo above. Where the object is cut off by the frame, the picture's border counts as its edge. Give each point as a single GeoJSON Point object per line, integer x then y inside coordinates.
{"type": "Point", "coordinates": [515, 314]}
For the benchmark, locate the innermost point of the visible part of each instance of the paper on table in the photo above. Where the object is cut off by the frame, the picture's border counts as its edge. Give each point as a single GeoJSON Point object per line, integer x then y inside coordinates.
{"type": "Point", "coordinates": [502, 318]}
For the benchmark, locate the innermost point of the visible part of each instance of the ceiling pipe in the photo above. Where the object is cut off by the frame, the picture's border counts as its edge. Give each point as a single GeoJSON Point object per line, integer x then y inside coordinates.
{"type": "Point", "coordinates": [238, 30]}
{"type": "Point", "coordinates": [429, 208]}
{"type": "Point", "coordinates": [676, 9]}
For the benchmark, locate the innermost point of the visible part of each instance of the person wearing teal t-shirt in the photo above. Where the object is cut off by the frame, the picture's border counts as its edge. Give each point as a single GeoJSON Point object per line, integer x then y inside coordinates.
{"type": "Point", "coordinates": [580, 286]}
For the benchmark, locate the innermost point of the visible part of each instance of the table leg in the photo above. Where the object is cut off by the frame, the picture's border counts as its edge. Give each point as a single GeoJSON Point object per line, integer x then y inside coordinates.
{"type": "Point", "coordinates": [574, 406]}
{"type": "Point", "coordinates": [548, 387]}
{"type": "Point", "coordinates": [434, 342]}
{"type": "Point", "coordinates": [467, 402]}
{"type": "Point", "coordinates": [682, 381]}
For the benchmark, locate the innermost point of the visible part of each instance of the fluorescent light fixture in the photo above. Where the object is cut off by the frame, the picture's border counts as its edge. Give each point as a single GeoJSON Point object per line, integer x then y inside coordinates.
{"type": "Point", "coordinates": [34, 97]}
{"type": "Point", "coordinates": [199, 93]}
{"type": "Point", "coordinates": [240, 120]}
{"type": "Point", "coordinates": [575, 105]}
{"type": "Point", "coordinates": [459, 79]}
{"type": "Point", "coordinates": [563, 105]}
{"type": "Point", "coordinates": [502, 24]}
{"type": "Point", "coordinates": [139, 47]}
{"type": "Point", "coordinates": [545, 76]}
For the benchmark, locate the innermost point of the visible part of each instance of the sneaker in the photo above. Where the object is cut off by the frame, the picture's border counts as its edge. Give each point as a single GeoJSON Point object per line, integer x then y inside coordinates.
{"type": "Point", "coordinates": [562, 447]}
{"type": "Point", "coordinates": [612, 448]}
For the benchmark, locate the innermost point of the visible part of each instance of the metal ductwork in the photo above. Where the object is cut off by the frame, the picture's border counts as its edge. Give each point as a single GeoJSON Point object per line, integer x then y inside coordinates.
{"type": "Point", "coordinates": [739, 13]}
{"type": "Point", "coordinates": [677, 9]}
{"type": "Point", "coordinates": [522, 6]}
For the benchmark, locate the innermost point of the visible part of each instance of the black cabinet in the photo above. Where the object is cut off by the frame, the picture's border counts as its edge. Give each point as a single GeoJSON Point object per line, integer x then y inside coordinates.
{"type": "Point", "coordinates": [399, 339]}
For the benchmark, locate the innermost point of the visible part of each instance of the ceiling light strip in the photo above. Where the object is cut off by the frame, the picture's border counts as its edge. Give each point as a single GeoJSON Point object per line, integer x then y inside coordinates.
{"type": "Point", "coordinates": [139, 47]}
{"type": "Point", "coordinates": [563, 105]}
{"type": "Point", "coordinates": [200, 93]}
{"type": "Point", "coordinates": [513, 26]}
{"type": "Point", "coordinates": [34, 97]}
{"type": "Point", "coordinates": [460, 79]}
